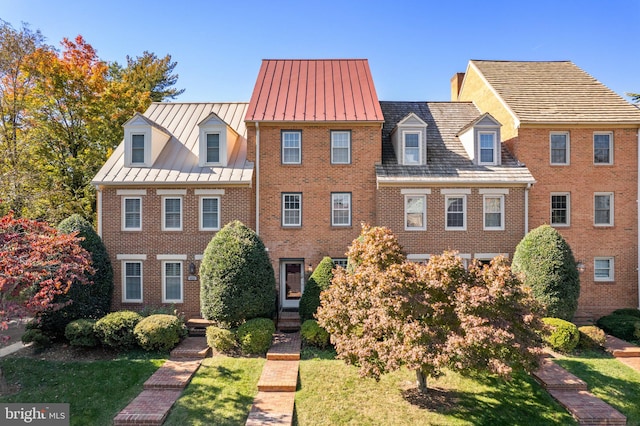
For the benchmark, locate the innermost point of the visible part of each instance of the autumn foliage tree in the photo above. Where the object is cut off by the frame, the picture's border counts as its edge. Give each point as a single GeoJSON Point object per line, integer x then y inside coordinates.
{"type": "Point", "coordinates": [385, 312]}
{"type": "Point", "coordinates": [37, 263]}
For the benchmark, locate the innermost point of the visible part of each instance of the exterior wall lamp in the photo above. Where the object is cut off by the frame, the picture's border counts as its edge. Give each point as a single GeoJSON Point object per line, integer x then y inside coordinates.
{"type": "Point", "coordinates": [581, 267]}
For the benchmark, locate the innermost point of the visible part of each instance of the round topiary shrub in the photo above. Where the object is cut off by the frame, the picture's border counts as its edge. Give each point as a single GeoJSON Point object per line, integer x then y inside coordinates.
{"type": "Point", "coordinates": [81, 333]}
{"type": "Point", "coordinates": [548, 267]}
{"type": "Point", "coordinates": [620, 326]}
{"type": "Point", "coordinates": [627, 311]}
{"type": "Point", "coordinates": [159, 332]}
{"type": "Point", "coordinates": [314, 335]}
{"type": "Point", "coordinates": [83, 301]}
{"type": "Point", "coordinates": [237, 281]}
{"type": "Point", "coordinates": [37, 337]}
{"type": "Point", "coordinates": [563, 336]}
{"type": "Point", "coordinates": [116, 329]}
{"type": "Point", "coordinates": [320, 280]}
{"type": "Point", "coordinates": [591, 337]}
{"type": "Point", "coordinates": [221, 339]}
{"type": "Point", "coordinates": [255, 335]}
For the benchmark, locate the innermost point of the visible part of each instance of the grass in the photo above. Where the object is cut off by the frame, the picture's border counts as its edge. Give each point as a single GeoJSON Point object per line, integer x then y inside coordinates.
{"type": "Point", "coordinates": [96, 391]}
{"type": "Point", "coordinates": [220, 393]}
{"type": "Point", "coordinates": [609, 379]}
{"type": "Point", "coordinates": [332, 393]}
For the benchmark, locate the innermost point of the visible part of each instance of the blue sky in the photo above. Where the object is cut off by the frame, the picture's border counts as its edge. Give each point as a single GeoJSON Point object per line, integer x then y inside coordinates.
{"type": "Point", "coordinates": [413, 47]}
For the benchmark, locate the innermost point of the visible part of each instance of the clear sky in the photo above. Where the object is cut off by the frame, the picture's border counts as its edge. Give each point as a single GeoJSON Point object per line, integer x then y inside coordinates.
{"type": "Point", "coordinates": [413, 47]}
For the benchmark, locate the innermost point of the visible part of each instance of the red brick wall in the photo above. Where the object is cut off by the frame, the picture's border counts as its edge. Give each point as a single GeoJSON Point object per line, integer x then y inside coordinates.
{"type": "Point", "coordinates": [435, 239]}
{"type": "Point", "coordinates": [316, 178]}
{"type": "Point", "coordinates": [236, 203]}
{"type": "Point", "coordinates": [582, 178]}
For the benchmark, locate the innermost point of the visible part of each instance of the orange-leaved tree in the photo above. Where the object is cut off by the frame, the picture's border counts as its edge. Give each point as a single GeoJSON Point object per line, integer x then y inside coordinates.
{"type": "Point", "coordinates": [384, 312]}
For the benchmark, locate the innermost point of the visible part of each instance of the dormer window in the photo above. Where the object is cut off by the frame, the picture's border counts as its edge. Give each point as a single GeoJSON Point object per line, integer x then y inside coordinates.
{"type": "Point", "coordinates": [488, 148]}
{"type": "Point", "coordinates": [144, 140]}
{"type": "Point", "coordinates": [217, 140]}
{"type": "Point", "coordinates": [137, 148]}
{"type": "Point", "coordinates": [481, 140]}
{"type": "Point", "coordinates": [213, 148]}
{"type": "Point", "coordinates": [409, 139]}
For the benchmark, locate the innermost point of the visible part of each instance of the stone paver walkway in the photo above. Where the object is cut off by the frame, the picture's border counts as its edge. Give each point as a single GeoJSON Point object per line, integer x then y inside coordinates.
{"type": "Point", "coordinates": [274, 403]}
{"type": "Point", "coordinates": [164, 387]}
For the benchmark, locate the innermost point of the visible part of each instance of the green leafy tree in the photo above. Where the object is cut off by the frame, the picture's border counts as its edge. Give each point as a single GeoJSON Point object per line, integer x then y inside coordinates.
{"type": "Point", "coordinates": [319, 280]}
{"type": "Point", "coordinates": [548, 267]}
{"type": "Point", "coordinates": [237, 281]}
{"type": "Point", "coordinates": [148, 73]}
{"type": "Point", "coordinates": [635, 97]}
{"type": "Point", "coordinates": [385, 312]}
{"type": "Point", "coordinates": [82, 301]}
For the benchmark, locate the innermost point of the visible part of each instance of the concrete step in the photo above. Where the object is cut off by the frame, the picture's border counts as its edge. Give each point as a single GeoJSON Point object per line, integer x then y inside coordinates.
{"type": "Point", "coordinates": [554, 377]}
{"type": "Point", "coordinates": [279, 376]}
{"type": "Point", "coordinates": [587, 409]}
{"type": "Point", "coordinates": [150, 408]}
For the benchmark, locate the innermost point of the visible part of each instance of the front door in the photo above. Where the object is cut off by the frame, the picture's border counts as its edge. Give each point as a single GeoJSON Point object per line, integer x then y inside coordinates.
{"type": "Point", "coordinates": [291, 283]}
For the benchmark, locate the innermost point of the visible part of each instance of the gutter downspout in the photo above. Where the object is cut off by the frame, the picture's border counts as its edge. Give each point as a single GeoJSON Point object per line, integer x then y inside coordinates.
{"type": "Point", "coordinates": [638, 217]}
{"type": "Point", "coordinates": [99, 209]}
{"type": "Point", "coordinates": [526, 209]}
{"type": "Point", "coordinates": [257, 178]}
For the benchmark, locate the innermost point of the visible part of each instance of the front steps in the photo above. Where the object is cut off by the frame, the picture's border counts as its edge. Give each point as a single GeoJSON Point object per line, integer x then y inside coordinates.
{"type": "Point", "coordinates": [288, 321]}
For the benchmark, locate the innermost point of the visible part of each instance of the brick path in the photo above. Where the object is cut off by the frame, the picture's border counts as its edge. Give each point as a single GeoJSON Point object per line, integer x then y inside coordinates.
{"type": "Point", "coordinates": [274, 403]}
{"type": "Point", "coordinates": [164, 387]}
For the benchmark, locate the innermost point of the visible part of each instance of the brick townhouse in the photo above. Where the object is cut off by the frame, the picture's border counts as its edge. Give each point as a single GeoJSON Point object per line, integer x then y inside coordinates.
{"type": "Point", "coordinates": [311, 156]}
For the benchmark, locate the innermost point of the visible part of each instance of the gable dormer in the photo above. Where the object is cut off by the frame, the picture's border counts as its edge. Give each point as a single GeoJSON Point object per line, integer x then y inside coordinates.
{"type": "Point", "coordinates": [481, 140]}
{"type": "Point", "coordinates": [143, 141]}
{"type": "Point", "coordinates": [216, 141]}
{"type": "Point", "coordinates": [409, 139]}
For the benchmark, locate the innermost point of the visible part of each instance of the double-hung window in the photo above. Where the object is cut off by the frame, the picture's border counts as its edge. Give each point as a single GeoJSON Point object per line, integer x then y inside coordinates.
{"type": "Point", "coordinates": [340, 147]}
{"type": "Point", "coordinates": [455, 210]}
{"type": "Point", "coordinates": [209, 213]}
{"type": "Point", "coordinates": [291, 147]}
{"type": "Point", "coordinates": [341, 209]}
{"type": "Point", "coordinates": [493, 208]}
{"type": "Point", "coordinates": [603, 269]}
{"type": "Point", "coordinates": [137, 148]}
{"type": "Point", "coordinates": [559, 148]}
{"type": "Point", "coordinates": [132, 282]}
{"type": "Point", "coordinates": [411, 147]}
{"type": "Point", "coordinates": [172, 214]}
{"type": "Point", "coordinates": [132, 214]}
{"type": "Point", "coordinates": [415, 212]}
{"type": "Point", "coordinates": [292, 209]}
{"type": "Point", "coordinates": [213, 148]}
{"type": "Point", "coordinates": [560, 209]}
{"type": "Point", "coordinates": [172, 282]}
{"type": "Point", "coordinates": [603, 209]}
{"type": "Point", "coordinates": [488, 149]}
{"type": "Point", "coordinates": [603, 148]}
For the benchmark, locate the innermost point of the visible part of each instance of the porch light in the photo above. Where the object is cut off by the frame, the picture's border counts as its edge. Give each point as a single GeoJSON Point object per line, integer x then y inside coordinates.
{"type": "Point", "coordinates": [581, 267]}
{"type": "Point", "coordinates": [192, 268]}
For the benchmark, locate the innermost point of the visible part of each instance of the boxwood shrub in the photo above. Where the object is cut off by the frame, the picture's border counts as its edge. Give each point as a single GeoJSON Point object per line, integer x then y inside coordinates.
{"type": "Point", "coordinates": [314, 335]}
{"type": "Point", "coordinates": [116, 329]}
{"type": "Point", "coordinates": [81, 333]}
{"type": "Point", "coordinates": [627, 311]}
{"type": "Point", "coordinates": [591, 337]}
{"type": "Point", "coordinates": [619, 325]}
{"type": "Point", "coordinates": [319, 281]}
{"type": "Point", "coordinates": [563, 336]}
{"type": "Point", "coordinates": [221, 339]}
{"type": "Point", "coordinates": [159, 332]}
{"type": "Point", "coordinates": [255, 335]}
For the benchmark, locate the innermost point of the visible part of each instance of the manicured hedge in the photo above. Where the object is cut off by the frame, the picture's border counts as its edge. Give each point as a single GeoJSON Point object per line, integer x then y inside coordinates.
{"type": "Point", "coordinates": [82, 333]}
{"type": "Point", "coordinates": [564, 336]}
{"type": "Point", "coordinates": [116, 329]}
{"type": "Point", "coordinates": [255, 335]}
{"type": "Point", "coordinates": [159, 332]}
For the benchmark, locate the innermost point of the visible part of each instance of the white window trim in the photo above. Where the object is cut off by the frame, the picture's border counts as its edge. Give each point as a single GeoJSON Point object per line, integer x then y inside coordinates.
{"type": "Point", "coordinates": [418, 257]}
{"type": "Point", "coordinates": [201, 203]}
{"type": "Point", "coordinates": [171, 192]}
{"type": "Point", "coordinates": [208, 191]}
{"type": "Point", "coordinates": [339, 225]}
{"type": "Point", "coordinates": [464, 211]}
{"type": "Point", "coordinates": [567, 149]}
{"type": "Point", "coordinates": [282, 147]}
{"type": "Point", "coordinates": [211, 128]}
{"type": "Point", "coordinates": [611, 209]}
{"type": "Point", "coordinates": [494, 160]}
{"type": "Point", "coordinates": [133, 259]}
{"type": "Point", "coordinates": [124, 214]}
{"type": "Point", "coordinates": [129, 133]}
{"type": "Point", "coordinates": [611, 276]}
{"type": "Point", "coordinates": [484, 212]}
{"type": "Point", "coordinates": [424, 212]}
{"type": "Point", "coordinates": [220, 149]}
{"type": "Point", "coordinates": [164, 207]}
{"type": "Point", "coordinates": [593, 145]}
{"type": "Point", "coordinates": [131, 192]}
{"type": "Point", "coordinates": [348, 147]}
{"type": "Point", "coordinates": [560, 225]}
{"type": "Point", "coordinates": [282, 204]}
{"type": "Point", "coordinates": [404, 146]}
{"type": "Point", "coordinates": [164, 281]}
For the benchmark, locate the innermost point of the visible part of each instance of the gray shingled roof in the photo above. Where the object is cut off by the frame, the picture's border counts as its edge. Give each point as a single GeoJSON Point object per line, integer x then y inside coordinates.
{"type": "Point", "coordinates": [555, 92]}
{"type": "Point", "coordinates": [447, 160]}
{"type": "Point", "coordinates": [178, 161]}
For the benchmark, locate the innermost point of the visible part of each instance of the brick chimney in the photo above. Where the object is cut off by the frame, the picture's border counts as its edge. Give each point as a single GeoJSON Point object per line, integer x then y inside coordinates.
{"type": "Point", "coordinates": [456, 84]}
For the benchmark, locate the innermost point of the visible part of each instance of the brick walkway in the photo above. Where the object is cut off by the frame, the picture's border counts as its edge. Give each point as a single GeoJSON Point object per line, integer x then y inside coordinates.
{"type": "Point", "coordinates": [625, 352]}
{"type": "Point", "coordinates": [164, 387]}
{"type": "Point", "coordinates": [274, 403]}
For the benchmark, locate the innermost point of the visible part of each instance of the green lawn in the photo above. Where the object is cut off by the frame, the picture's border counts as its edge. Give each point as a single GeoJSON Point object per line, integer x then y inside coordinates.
{"type": "Point", "coordinates": [220, 393]}
{"type": "Point", "coordinates": [608, 379]}
{"type": "Point", "coordinates": [96, 391]}
{"type": "Point", "coordinates": [332, 393]}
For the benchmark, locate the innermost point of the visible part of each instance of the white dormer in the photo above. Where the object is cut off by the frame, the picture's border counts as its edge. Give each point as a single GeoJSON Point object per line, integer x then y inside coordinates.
{"type": "Point", "coordinates": [409, 139]}
{"type": "Point", "coordinates": [216, 141]}
{"type": "Point", "coordinates": [143, 141]}
{"type": "Point", "coordinates": [481, 140]}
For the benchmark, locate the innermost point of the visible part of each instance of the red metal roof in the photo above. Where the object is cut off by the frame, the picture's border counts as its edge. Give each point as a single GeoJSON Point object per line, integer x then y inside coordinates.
{"type": "Point", "coordinates": [314, 90]}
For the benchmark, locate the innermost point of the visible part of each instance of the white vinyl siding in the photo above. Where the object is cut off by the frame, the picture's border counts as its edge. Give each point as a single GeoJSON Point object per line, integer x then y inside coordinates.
{"type": "Point", "coordinates": [340, 147]}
